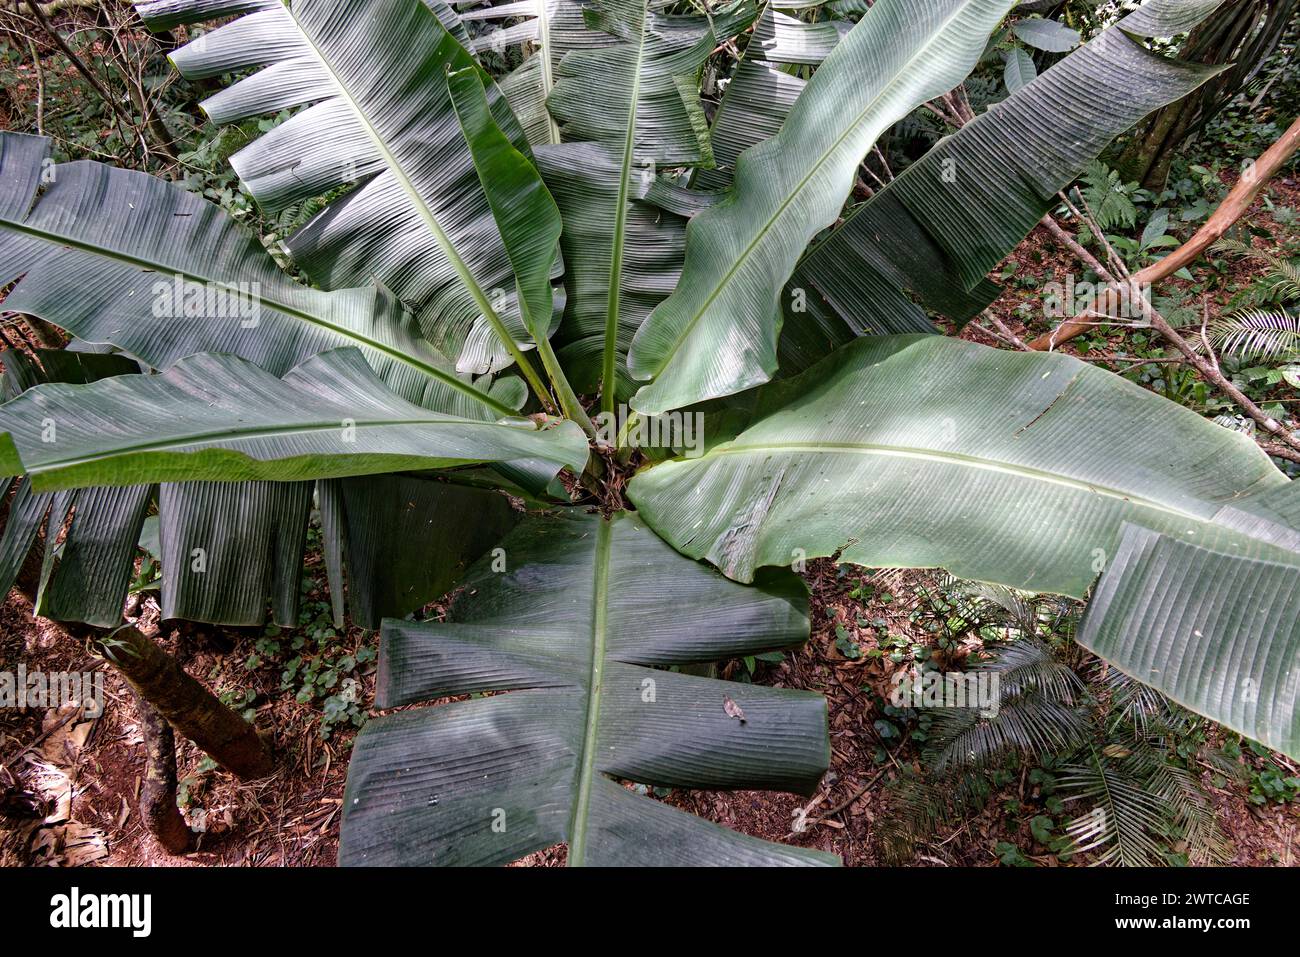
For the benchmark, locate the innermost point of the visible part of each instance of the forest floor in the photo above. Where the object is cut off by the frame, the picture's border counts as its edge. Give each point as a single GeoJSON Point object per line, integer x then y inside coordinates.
{"type": "Point", "coordinates": [853, 803]}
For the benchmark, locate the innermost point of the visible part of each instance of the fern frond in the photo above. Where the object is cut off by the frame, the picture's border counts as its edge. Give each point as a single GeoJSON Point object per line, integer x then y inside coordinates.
{"type": "Point", "coordinates": [1107, 197]}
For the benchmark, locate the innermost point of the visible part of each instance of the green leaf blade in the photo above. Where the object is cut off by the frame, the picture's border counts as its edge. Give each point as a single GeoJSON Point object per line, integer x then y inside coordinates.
{"type": "Point", "coordinates": [117, 257]}
{"type": "Point", "coordinates": [560, 630]}
{"type": "Point", "coordinates": [1020, 70]}
{"type": "Point", "coordinates": [220, 418]}
{"type": "Point", "coordinates": [1051, 36]}
{"type": "Point", "coordinates": [944, 224]}
{"type": "Point", "coordinates": [376, 115]}
{"type": "Point", "coordinates": [926, 451]}
{"type": "Point", "coordinates": [525, 213]}
{"type": "Point", "coordinates": [1216, 631]}
{"type": "Point", "coordinates": [717, 334]}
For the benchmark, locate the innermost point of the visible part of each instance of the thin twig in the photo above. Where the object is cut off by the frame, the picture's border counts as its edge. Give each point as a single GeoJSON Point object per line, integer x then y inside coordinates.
{"type": "Point", "coordinates": [847, 803]}
{"type": "Point", "coordinates": [85, 71]}
{"type": "Point", "coordinates": [1006, 331]}
{"type": "Point", "coordinates": [40, 87]}
{"type": "Point", "coordinates": [9, 762]}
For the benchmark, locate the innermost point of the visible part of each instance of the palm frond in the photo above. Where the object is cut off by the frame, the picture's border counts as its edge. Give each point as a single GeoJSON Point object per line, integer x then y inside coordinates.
{"type": "Point", "coordinates": [1141, 804]}
{"type": "Point", "coordinates": [1238, 248]}
{"type": "Point", "coordinates": [920, 805]}
{"type": "Point", "coordinates": [1030, 725]}
{"type": "Point", "coordinates": [1135, 707]}
{"type": "Point", "coordinates": [1126, 822]}
{"type": "Point", "coordinates": [1192, 812]}
{"type": "Point", "coordinates": [1281, 282]}
{"type": "Point", "coordinates": [1006, 605]}
{"type": "Point", "coordinates": [1258, 334]}
{"type": "Point", "coordinates": [1032, 665]}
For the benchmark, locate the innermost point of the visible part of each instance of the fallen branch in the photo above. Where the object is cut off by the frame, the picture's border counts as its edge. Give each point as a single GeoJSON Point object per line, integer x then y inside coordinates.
{"type": "Point", "coordinates": [1239, 201]}
{"type": "Point", "coordinates": [1277, 450]}
{"type": "Point", "coordinates": [1004, 332]}
{"type": "Point", "coordinates": [1208, 368]}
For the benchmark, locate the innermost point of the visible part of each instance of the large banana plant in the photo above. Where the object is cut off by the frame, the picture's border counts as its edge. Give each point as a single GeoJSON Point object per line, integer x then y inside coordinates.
{"type": "Point", "coordinates": [584, 213]}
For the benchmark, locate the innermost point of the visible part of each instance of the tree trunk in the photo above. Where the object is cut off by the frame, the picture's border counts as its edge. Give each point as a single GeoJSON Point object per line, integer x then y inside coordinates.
{"type": "Point", "coordinates": [158, 796]}
{"type": "Point", "coordinates": [1151, 153]}
{"type": "Point", "coordinates": [188, 706]}
{"type": "Point", "coordinates": [1242, 33]}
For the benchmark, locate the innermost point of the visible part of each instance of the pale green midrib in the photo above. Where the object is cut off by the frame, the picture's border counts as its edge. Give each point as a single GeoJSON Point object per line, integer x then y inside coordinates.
{"type": "Point", "coordinates": [950, 458]}
{"type": "Point", "coordinates": [417, 201]}
{"type": "Point", "coordinates": [609, 365]}
{"type": "Point", "coordinates": [767, 226]}
{"type": "Point", "coordinates": [548, 79]}
{"type": "Point", "coordinates": [216, 436]}
{"type": "Point", "coordinates": [282, 307]}
{"type": "Point", "coordinates": [586, 771]}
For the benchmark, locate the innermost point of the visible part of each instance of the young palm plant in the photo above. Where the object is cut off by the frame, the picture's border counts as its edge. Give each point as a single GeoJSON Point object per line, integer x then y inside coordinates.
{"type": "Point", "coordinates": [1099, 745]}
{"type": "Point", "coordinates": [486, 254]}
{"type": "Point", "coordinates": [1271, 330]}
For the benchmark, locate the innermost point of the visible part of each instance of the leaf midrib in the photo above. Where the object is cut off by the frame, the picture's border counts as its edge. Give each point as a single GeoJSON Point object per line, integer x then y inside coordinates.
{"type": "Point", "coordinates": [413, 195]}
{"type": "Point", "coordinates": [215, 436]}
{"type": "Point", "coordinates": [548, 78]}
{"type": "Point", "coordinates": [780, 211]}
{"type": "Point", "coordinates": [113, 255]}
{"type": "Point", "coordinates": [609, 366]}
{"type": "Point", "coordinates": [952, 458]}
{"type": "Point", "coordinates": [586, 772]}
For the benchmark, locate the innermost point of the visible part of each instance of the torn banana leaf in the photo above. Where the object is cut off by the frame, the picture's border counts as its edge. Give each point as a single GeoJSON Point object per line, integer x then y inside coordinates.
{"type": "Point", "coordinates": [907, 451]}
{"type": "Point", "coordinates": [557, 620]}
